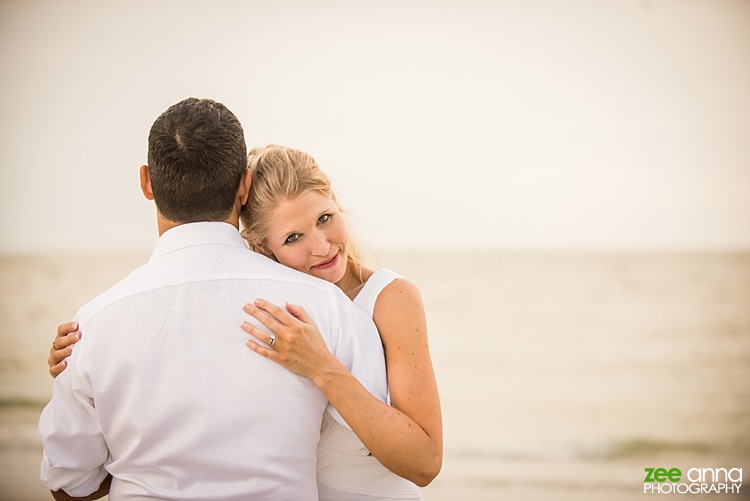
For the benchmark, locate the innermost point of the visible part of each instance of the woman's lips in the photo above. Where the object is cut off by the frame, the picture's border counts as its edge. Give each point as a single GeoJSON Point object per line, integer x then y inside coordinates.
{"type": "Point", "coordinates": [328, 264]}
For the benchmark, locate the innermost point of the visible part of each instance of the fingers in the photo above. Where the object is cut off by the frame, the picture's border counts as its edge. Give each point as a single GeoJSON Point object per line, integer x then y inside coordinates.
{"type": "Point", "coordinates": [264, 318]}
{"type": "Point", "coordinates": [66, 328]}
{"type": "Point", "coordinates": [260, 335]}
{"type": "Point", "coordinates": [57, 356]}
{"type": "Point", "coordinates": [260, 349]}
{"type": "Point", "coordinates": [56, 360]}
{"type": "Point", "coordinates": [55, 370]}
{"type": "Point", "coordinates": [285, 325]}
{"type": "Point", "coordinates": [279, 314]}
{"type": "Point", "coordinates": [65, 341]}
{"type": "Point", "coordinates": [62, 347]}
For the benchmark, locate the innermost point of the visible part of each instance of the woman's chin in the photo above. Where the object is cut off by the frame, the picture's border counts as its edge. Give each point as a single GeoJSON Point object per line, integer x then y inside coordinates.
{"type": "Point", "coordinates": [332, 276]}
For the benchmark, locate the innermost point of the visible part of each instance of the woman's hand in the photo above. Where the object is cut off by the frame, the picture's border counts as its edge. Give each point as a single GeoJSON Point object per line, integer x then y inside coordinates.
{"type": "Point", "coordinates": [62, 347]}
{"type": "Point", "coordinates": [298, 345]}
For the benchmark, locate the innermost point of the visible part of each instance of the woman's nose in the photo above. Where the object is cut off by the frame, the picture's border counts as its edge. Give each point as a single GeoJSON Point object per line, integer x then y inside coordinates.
{"type": "Point", "coordinates": [320, 245]}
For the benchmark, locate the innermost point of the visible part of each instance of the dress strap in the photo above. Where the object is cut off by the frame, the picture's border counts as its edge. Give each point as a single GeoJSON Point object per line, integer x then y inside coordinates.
{"type": "Point", "coordinates": [379, 280]}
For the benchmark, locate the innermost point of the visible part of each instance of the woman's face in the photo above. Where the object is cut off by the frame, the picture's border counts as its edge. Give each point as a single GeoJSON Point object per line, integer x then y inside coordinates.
{"type": "Point", "coordinates": [308, 233]}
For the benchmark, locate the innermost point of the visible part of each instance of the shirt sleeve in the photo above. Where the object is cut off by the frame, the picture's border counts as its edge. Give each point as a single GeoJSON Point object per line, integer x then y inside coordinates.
{"type": "Point", "coordinates": [75, 451]}
{"type": "Point", "coordinates": [357, 345]}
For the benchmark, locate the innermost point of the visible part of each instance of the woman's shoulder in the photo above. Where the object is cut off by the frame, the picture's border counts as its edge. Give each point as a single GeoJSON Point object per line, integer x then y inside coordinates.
{"type": "Point", "coordinates": [398, 292]}
{"type": "Point", "coordinates": [399, 310]}
{"type": "Point", "coordinates": [399, 289]}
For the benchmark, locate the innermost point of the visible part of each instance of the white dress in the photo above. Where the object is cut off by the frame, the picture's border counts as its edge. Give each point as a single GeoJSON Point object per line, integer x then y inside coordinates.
{"type": "Point", "coordinates": [346, 470]}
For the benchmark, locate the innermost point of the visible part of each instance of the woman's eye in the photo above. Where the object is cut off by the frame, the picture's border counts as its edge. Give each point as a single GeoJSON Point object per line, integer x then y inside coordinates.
{"type": "Point", "coordinates": [291, 238]}
{"type": "Point", "coordinates": [324, 218]}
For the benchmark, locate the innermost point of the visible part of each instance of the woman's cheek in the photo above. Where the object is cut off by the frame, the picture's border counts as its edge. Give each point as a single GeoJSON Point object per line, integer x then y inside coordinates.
{"type": "Point", "coordinates": [291, 260]}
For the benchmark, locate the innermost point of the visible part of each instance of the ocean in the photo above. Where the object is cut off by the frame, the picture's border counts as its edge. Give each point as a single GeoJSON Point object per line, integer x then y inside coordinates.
{"type": "Point", "coordinates": [562, 375]}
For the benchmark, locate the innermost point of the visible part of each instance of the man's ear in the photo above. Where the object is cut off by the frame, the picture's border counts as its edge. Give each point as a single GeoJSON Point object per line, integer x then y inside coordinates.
{"type": "Point", "coordinates": [146, 182]}
{"type": "Point", "coordinates": [244, 191]}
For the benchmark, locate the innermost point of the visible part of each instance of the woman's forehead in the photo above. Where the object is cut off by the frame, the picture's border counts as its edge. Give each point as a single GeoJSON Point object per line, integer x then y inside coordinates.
{"type": "Point", "coordinates": [295, 210]}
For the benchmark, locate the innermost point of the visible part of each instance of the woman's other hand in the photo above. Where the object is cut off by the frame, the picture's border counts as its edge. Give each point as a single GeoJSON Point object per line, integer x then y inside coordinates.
{"type": "Point", "coordinates": [62, 347]}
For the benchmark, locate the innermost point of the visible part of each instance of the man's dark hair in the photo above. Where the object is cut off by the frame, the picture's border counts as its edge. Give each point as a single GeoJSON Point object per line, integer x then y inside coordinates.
{"type": "Point", "coordinates": [196, 158]}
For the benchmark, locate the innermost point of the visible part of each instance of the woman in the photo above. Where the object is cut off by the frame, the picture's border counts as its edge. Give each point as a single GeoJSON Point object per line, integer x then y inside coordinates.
{"type": "Point", "coordinates": [293, 217]}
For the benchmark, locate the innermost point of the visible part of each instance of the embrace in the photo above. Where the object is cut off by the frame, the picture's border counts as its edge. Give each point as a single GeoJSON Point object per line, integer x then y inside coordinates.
{"type": "Point", "coordinates": [263, 364]}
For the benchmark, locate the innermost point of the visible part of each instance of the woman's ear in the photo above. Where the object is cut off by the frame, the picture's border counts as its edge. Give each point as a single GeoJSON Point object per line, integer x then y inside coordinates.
{"type": "Point", "coordinates": [145, 175]}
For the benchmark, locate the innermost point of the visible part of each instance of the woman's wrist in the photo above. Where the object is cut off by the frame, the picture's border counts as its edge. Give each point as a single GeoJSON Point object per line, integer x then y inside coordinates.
{"type": "Point", "coordinates": [330, 375]}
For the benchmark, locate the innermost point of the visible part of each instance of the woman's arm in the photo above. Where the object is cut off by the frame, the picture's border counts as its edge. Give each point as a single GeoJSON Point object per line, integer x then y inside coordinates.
{"type": "Point", "coordinates": [405, 438]}
{"type": "Point", "coordinates": [400, 318]}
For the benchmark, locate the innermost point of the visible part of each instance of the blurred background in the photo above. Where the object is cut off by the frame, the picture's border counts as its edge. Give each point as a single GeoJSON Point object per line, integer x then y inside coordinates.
{"type": "Point", "coordinates": [445, 125]}
{"type": "Point", "coordinates": [567, 181]}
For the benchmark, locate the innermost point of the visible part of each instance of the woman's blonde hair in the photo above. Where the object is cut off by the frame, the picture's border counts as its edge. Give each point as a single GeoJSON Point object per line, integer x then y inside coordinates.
{"type": "Point", "coordinates": [279, 173]}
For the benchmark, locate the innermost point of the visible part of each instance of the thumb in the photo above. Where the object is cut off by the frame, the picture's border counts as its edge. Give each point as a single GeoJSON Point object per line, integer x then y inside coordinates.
{"type": "Point", "coordinates": [298, 312]}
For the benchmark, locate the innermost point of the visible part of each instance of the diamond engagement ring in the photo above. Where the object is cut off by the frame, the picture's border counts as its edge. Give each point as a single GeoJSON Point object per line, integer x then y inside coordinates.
{"type": "Point", "coordinates": [272, 341]}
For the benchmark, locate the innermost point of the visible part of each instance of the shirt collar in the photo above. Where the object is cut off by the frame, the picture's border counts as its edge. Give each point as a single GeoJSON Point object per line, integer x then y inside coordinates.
{"type": "Point", "coordinates": [191, 234]}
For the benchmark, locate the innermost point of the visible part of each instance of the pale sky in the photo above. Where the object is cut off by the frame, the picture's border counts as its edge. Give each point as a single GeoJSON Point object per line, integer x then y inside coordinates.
{"type": "Point", "coordinates": [517, 124]}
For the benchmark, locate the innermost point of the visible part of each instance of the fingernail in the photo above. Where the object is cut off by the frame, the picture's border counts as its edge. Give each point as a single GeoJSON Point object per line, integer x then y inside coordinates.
{"type": "Point", "coordinates": [75, 326]}
{"type": "Point", "coordinates": [245, 324]}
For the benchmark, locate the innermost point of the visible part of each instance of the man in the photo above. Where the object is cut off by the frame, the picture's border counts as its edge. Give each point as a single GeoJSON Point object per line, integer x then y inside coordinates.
{"type": "Point", "coordinates": [161, 397]}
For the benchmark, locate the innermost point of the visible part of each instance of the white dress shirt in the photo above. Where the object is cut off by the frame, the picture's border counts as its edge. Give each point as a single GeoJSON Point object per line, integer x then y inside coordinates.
{"type": "Point", "coordinates": [162, 392]}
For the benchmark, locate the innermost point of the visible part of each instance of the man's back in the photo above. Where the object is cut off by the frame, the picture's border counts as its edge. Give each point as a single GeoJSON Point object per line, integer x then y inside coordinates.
{"type": "Point", "coordinates": [162, 382]}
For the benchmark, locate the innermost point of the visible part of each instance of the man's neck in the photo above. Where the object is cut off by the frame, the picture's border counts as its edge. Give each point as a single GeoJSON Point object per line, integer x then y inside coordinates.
{"type": "Point", "coordinates": [164, 224]}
